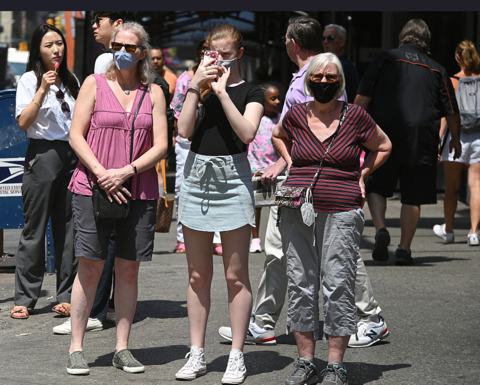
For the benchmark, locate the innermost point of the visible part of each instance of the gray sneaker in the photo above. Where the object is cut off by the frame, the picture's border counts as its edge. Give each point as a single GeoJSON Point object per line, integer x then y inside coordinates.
{"type": "Point", "coordinates": [334, 374]}
{"type": "Point", "coordinates": [76, 363]}
{"type": "Point", "coordinates": [124, 360]}
{"type": "Point", "coordinates": [305, 373]}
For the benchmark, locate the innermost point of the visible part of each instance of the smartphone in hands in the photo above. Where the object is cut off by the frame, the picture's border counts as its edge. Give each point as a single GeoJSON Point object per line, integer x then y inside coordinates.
{"type": "Point", "coordinates": [210, 58]}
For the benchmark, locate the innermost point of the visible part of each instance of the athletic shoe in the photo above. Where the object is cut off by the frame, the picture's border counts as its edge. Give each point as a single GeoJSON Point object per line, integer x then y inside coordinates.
{"type": "Point", "coordinates": [196, 365]}
{"type": "Point", "coordinates": [256, 335]}
{"type": "Point", "coordinates": [111, 317]}
{"type": "Point", "coordinates": [403, 257]}
{"type": "Point", "coordinates": [369, 333]}
{"type": "Point", "coordinates": [305, 373]}
{"type": "Point", "coordinates": [440, 232]}
{"type": "Point", "coordinates": [255, 245]}
{"type": "Point", "coordinates": [380, 250]}
{"type": "Point", "coordinates": [124, 360]}
{"type": "Point", "coordinates": [472, 239]}
{"type": "Point", "coordinates": [93, 325]}
{"type": "Point", "coordinates": [76, 363]}
{"type": "Point", "coordinates": [334, 374]}
{"type": "Point", "coordinates": [236, 371]}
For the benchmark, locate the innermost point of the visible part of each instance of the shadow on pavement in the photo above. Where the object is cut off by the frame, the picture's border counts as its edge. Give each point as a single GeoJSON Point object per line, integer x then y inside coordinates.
{"type": "Point", "coordinates": [150, 356]}
{"type": "Point", "coordinates": [160, 309]}
{"type": "Point", "coordinates": [361, 373]}
{"type": "Point", "coordinates": [418, 261]}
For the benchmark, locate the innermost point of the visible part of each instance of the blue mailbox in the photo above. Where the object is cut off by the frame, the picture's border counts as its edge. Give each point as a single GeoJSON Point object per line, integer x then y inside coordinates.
{"type": "Point", "coordinates": [13, 146]}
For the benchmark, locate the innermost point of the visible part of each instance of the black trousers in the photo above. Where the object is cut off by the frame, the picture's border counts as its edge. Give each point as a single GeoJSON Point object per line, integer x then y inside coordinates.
{"type": "Point", "coordinates": [49, 166]}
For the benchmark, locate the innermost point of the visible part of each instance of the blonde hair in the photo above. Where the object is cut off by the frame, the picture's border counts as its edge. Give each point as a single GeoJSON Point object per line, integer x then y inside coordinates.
{"type": "Point", "coordinates": [144, 71]}
{"type": "Point", "coordinates": [222, 31]}
{"type": "Point", "coordinates": [468, 54]}
{"type": "Point", "coordinates": [319, 62]}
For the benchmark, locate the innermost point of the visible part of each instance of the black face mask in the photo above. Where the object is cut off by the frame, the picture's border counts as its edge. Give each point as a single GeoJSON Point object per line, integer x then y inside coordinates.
{"type": "Point", "coordinates": [323, 92]}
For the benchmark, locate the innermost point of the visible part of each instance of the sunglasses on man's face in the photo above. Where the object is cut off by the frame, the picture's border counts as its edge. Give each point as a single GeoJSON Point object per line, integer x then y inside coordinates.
{"type": "Point", "coordinates": [329, 38]}
{"type": "Point", "coordinates": [63, 104]}
{"type": "Point", "coordinates": [130, 48]}
{"type": "Point", "coordinates": [96, 20]}
{"type": "Point", "coordinates": [284, 39]}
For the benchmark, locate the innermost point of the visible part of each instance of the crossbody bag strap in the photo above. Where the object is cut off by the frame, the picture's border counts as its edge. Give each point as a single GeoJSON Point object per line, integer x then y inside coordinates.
{"type": "Point", "coordinates": [133, 129]}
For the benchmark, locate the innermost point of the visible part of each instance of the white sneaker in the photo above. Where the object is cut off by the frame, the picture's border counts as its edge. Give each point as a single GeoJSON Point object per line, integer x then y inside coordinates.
{"type": "Point", "coordinates": [111, 317]}
{"type": "Point", "coordinates": [256, 245]}
{"type": "Point", "coordinates": [440, 232]}
{"type": "Point", "coordinates": [256, 335]}
{"type": "Point", "coordinates": [369, 333]}
{"type": "Point", "coordinates": [196, 365]}
{"type": "Point", "coordinates": [93, 325]}
{"type": "Point", "coordinates": [472, 239]}
{"type": "Point", "coordinates": [236, 371]}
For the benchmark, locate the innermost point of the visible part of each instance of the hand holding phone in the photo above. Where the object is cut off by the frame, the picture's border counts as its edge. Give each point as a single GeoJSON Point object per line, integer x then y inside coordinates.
{"type": "Point", "coordinates": [210, 58]}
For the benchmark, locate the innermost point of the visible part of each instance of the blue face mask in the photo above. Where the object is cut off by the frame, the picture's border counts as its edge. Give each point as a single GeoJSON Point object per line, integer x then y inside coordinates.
{"type": "Point", "coordinates": [124, 60]}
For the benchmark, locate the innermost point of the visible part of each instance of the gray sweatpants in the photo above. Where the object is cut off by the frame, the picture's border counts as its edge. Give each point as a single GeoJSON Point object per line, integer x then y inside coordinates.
{"type": "Point", "coordinates": [331, 262]}
{"type": "Point", "coordinates": [272, 288]}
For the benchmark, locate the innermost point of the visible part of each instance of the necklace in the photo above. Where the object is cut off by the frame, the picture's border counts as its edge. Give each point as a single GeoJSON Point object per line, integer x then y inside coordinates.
{"type": "Point", "coordinates": [127, 92]}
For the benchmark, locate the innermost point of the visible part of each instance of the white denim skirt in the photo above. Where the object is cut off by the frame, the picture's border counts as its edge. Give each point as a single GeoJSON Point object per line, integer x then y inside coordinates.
{"type": "Point", "coordinates": [216, 193]}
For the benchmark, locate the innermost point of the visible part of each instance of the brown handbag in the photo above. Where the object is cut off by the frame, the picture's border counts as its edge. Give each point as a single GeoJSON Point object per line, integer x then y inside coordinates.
{"type": "Point", "coordinates": [164, 207]}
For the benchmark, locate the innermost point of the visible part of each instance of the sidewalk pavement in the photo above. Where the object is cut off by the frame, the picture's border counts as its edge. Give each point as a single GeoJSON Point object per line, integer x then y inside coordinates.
{"type": "Point", "coordinates": [432, 311]}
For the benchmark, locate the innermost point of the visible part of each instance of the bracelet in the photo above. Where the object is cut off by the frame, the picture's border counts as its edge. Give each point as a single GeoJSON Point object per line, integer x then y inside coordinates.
{"type": "Point", "coordinates": [134, 168]}
{"type": "Point", "coordinates": [33, 100]}
{"type": "Point", "coordinates": [196, 90]}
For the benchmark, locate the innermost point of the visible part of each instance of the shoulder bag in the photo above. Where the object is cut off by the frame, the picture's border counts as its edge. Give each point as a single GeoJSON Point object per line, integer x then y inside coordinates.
{"type": "Point", "coordinates": [301, 198]}
{"type": "Point", "coordinates": [103, 209]}
{"type": "Point", "coordinates": [164, 206]}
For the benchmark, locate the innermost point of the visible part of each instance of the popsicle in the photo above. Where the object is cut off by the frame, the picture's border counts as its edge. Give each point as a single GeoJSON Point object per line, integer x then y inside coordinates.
{"type": "Point", "coordinates": [57, 64]}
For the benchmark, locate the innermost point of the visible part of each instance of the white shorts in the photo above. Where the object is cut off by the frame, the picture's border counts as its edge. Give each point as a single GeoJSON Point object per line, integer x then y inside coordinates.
{"type": "Point", "coordinates": [470, 149]}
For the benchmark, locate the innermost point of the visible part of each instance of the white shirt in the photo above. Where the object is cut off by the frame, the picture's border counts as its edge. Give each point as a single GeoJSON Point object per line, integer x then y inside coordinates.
{"type": "Point", "coordinates": [103, 62]}
{"type": "Point", "coordinates": [51, 122]}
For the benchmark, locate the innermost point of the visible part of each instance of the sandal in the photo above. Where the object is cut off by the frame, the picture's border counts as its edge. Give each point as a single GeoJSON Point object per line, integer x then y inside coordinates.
{"type": "Point", "coordinates": [63, 305]}
{"type": "Point", "coordinates": [217, 249]}
{"type": "Point", "coordinates": [179, 248]}
{"type": "Point", "coordinates": [19, 309]}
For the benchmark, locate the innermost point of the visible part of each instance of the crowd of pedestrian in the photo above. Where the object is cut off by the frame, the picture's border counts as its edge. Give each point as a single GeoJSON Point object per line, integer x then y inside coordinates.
{"type": "Point", "coordinates": [92, 166]}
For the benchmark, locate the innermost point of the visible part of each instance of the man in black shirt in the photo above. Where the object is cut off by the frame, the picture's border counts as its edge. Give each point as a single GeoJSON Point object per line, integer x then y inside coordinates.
{"type": "Point", "coordinates": [334, 39]}
{"type": "Point", "coordinates": [407, 93]}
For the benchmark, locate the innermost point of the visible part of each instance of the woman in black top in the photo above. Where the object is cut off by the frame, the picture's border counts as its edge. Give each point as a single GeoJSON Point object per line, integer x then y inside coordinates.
{"type": "Point", "coordinates": [216, 194]}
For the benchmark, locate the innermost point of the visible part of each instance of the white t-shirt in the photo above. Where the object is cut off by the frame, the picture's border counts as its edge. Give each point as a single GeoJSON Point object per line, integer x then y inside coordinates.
{"type": "Point", "coordinates": [51, 123]}
{"type": "Point", "coordinates": [102, 62]}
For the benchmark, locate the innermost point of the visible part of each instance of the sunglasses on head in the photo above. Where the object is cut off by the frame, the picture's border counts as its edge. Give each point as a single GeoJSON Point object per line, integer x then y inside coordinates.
{"type": "Point", "coordinates": [330, 38]}
{"type": "Point", "coordinates": [63, 104]}
{"type": "Point", "coordinates": [317, 78]}
{"type": "Point", "coordinates": [130, 48]}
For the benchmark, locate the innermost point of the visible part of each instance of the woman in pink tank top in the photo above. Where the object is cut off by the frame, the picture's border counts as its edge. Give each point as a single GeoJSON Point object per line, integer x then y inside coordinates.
{"type": "Point", "coordinates": [101, 137]}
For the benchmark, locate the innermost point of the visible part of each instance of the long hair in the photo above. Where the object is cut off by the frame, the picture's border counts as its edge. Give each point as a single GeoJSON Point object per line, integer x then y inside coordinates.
{"type": "Point", "coordinates": [36, 64]}
{"type": "Point", "coordinates": [144, 71]}
{"type": "Point", "coordinates": [415, 31]}
{"type": "Point", "coordinates": [222, 31]}
{"type": "Point", "coordinates": [468, 54]}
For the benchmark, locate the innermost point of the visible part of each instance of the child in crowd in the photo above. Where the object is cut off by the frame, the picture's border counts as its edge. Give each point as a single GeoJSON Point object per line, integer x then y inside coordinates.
{"type": "Point", "coordinates": [261, 152]}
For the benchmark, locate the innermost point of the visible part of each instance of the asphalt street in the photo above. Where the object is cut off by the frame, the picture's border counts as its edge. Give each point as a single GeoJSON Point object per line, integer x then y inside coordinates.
{"type": "Point", "coordinates": [432, 311]}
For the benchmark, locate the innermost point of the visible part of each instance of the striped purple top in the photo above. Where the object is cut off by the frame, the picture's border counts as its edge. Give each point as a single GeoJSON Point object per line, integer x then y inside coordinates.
{"type": "Point", "coordinates": [109, 137]}
{"type": "Point", "coordinates": [337, 186]}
